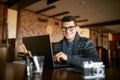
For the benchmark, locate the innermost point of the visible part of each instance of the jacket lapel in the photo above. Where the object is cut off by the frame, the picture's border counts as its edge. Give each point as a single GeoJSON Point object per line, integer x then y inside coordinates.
{"type": "Point", "coordinates": [76, 42]}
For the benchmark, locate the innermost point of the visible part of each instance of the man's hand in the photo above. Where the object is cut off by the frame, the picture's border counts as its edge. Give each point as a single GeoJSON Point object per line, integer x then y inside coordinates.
{"type": "Point", "coordinates": [60, 56]}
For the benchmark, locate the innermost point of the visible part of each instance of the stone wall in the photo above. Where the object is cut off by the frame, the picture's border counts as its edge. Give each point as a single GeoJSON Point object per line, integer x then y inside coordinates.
{"type": "Point", "coordinates": [32, 24]}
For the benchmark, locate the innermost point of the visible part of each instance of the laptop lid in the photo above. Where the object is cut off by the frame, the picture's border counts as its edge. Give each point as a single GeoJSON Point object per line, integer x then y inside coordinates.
{"type": "Point", "coordinates": [41, 46]}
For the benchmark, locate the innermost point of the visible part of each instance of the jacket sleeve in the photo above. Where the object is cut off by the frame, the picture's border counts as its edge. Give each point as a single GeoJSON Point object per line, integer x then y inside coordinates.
{"type": "Point", "coordinates": [89, 53]}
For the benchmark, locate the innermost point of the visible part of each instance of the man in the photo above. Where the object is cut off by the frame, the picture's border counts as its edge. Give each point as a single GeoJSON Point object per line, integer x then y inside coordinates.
{"type": "Point", "coordinates": [74, 49]}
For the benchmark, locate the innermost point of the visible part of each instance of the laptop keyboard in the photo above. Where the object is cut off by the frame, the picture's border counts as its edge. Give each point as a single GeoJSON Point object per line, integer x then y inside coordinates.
{"type": "Point", "coordinates": [60, 64]}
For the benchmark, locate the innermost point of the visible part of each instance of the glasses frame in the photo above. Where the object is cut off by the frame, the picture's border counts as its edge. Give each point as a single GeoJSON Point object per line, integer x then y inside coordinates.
{"type": "Point", "coordinates": [70, 28]}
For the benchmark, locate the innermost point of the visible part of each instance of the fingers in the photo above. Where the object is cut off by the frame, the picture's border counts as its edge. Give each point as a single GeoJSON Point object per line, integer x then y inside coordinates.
{"type": "Point", "coordinates": [57, 57]}
{"type": "Point", "coordinates": [60, 56]}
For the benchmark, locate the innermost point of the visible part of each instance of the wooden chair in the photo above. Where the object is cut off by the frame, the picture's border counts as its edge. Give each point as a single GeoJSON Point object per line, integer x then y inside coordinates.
{"type": "Point", "coordinates": [3, 59]}
{"type": "Point", "coordinates": [104, 56]}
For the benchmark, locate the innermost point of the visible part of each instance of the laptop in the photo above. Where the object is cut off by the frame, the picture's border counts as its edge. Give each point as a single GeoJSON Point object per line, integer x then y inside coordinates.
{"type": "Point", "coordinates": [42, 47]}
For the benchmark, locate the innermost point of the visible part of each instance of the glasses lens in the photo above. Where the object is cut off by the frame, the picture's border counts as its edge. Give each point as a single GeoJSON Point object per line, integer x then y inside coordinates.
{"type": "Point", "coordinates": [70, 28]}
{"type": "Point", "coordinates": [64, 29]}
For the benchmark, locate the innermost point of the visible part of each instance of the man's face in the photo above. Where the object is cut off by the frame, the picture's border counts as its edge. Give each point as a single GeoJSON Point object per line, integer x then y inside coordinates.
{"type": "Point", "coordinates": [69, 30]}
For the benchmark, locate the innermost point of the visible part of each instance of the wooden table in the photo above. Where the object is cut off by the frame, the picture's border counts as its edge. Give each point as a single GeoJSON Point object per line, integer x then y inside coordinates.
{"type": "Point", "coordinates": [17, 71]}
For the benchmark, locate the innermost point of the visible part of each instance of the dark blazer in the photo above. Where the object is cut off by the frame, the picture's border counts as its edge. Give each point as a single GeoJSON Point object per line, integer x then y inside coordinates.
{"type": "Point", "coordinates": [83, 50]}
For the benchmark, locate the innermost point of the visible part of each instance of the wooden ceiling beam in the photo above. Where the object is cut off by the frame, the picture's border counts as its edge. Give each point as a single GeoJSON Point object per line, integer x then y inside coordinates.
{"type": "Point", "coordinates": [46, 9]}
{"type": "Point", "coordinates": [59, 14]}
{"type": "Point", "coordinates": [10, 3]}
{"type": "Point", "coordinates": [25, 3]}
{"type": "Point", "coordinates": [84, 20]}
{"type": "Point", "coordinates": [107, 23]}
{"type": "Point", "coordinates": [51, 1]}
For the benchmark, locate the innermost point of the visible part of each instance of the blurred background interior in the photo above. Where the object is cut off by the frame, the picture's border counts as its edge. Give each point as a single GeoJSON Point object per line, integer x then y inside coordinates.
{"type": "Point", "coordinates": [98, 20]}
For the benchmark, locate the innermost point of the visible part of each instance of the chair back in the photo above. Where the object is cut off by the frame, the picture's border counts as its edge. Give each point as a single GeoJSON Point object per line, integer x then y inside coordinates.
{"type": "Point", "coordinates": [3, 59]}
{"type": "Point", "coordinates": [104, 56]}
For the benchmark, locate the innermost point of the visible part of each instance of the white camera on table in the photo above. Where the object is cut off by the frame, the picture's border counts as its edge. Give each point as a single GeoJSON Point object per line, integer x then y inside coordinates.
{"type": "Point", "coordinates": [92, 69]}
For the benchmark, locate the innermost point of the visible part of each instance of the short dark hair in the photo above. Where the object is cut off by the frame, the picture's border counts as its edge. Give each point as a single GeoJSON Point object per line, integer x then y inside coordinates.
{"type": "Point", "coordinates": [69, 18]}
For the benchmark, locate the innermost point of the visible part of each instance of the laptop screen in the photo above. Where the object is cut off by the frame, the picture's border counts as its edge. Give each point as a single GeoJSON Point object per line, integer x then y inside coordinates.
{"type": "Point", "coordinates": [41, 46]}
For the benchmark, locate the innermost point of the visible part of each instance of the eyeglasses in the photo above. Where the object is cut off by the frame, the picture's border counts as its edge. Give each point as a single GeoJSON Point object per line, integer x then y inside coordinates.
{"type": "Point", "coordinates": [70, 28]}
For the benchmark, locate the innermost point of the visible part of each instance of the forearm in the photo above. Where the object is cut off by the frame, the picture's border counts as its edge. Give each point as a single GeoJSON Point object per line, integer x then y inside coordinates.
{"type": "Point", "coordinates": [89, 55]}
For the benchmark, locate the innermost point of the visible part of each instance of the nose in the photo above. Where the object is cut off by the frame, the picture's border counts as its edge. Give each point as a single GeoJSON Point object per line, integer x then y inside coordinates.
{"type": "Point", "coordinates": [67, 30]}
